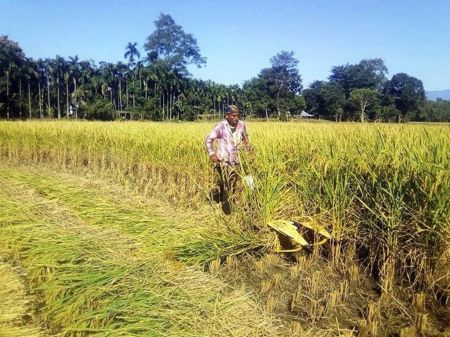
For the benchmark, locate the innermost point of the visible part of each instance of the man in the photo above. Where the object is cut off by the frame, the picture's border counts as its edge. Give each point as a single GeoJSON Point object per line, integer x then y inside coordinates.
{"type": "Point", "coordinates": [230, 135]}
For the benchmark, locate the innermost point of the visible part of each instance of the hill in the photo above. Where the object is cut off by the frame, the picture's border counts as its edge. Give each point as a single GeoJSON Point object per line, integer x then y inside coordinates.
{"type": "Point", "coordinates": [433, 95]}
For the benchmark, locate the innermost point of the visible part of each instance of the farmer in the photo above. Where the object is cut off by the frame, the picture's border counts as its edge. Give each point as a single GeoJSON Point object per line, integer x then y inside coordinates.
{"type": "Point", "coordinates": [230, 134]}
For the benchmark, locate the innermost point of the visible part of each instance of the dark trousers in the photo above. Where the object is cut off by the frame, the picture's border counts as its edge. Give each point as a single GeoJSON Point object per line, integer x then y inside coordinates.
{"type": "Point", "coordinates": [226, 178]}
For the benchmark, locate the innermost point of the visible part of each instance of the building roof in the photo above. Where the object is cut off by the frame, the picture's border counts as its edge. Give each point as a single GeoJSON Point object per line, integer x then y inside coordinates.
{"type": "Point", "coordinates": [305, 114]}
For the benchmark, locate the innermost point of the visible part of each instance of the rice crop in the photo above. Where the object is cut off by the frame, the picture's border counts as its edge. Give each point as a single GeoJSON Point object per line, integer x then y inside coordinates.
{"type": "Point", "coordinates": [101, 269]}
{"type": "Point", "coordinates": [381, 190]}
{"type": "Point", "coordinates": [15, 302]}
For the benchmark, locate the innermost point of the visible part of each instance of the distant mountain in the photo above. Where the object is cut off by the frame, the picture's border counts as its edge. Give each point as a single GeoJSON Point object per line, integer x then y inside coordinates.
{"type": "Point", "coordinates": [433, 95]}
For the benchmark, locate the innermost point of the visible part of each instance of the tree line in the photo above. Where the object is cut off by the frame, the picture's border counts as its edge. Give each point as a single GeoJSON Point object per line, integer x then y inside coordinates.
{"type": "Point", "coordinates": [158, 86]}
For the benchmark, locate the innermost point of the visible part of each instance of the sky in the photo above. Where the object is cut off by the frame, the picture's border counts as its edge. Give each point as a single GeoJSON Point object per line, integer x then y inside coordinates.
{"type": "Point", "coordinates": [238, 38]}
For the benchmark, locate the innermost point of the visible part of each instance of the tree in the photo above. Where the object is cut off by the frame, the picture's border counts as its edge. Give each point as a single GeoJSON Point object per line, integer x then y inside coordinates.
{"type": "Point", "coordinates": [406, 91]}
{"type": "Point", "coordinates": [75, 73]}
{"type": "Point", "coordinates": [31, 72]}
{"type": "Point", "coordinates": [108, 81]}
{"type": "Point", "coordinates": [256, 96]}
{"type": "Point", "coordinates": [171, 45]}
{"type": "Point", "coordinates": [282, 81]}
{"type": "Point", "coordinates": [121, 70]}
{"type": "Point", "coordinates": [313, 99]}
{"type": "Point", "coordinates": [41, 68]}
{"type": "Point", "coordinates": [299, 104]}
{"type": "Point", "coordinates": [369, 73]}
{"type": "Point", "coordinates": [11, 59]}
{"type": "Point", "coordinates": [364, 97]}
{"type": "Point", "coordinates": [333, 100]}
{"type": "Point", "coordinates": [325, 99]}
{"type": "Point", "coordinates": [436, 111]}
{"type": "Point", "coordinates": [100, 108]}
{"type": "Point", "coordinates": [59, 71]}
{"type": "Point", "coordinates": [131, 52]}
{"type": "Point", "coordinates": [373, 73]}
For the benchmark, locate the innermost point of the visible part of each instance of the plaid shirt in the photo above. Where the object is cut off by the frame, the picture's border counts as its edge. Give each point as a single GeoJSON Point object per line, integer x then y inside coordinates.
{"type": "Point", "coordinates": [228, 141]}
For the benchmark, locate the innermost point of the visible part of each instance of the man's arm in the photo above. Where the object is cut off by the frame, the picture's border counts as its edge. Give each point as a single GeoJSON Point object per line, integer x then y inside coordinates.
{"type": "Point", "coordinates": [245, 139]}
{"type": "Point", "coordinates": [214, 134]}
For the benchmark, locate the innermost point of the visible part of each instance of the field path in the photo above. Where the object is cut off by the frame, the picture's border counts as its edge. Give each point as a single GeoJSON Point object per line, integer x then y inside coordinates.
{"type": "Point", "coordinates": [102, 261]}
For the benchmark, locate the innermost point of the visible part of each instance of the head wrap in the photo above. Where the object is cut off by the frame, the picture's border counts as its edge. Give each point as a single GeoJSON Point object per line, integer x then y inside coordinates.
{"type": "Point", "coordinates": [231, 108]}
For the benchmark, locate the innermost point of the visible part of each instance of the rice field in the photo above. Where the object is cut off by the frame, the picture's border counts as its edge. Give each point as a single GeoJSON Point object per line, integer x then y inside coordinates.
{"type": "Point", "coordinates": [115, 235]}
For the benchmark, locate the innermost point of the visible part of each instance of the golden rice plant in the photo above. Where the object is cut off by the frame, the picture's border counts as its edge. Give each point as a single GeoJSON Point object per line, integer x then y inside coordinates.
{"type": "Point", "coordinates": [379, 188]}
{"type": "Point", "coordinates": [102, 263]}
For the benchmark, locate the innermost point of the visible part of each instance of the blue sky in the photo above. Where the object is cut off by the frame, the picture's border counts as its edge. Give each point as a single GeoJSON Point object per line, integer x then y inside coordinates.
{"type": "Point", "coordinates": [238, 38]}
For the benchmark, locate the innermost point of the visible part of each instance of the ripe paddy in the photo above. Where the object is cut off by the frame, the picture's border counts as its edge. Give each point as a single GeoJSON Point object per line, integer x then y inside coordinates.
{"type": "Point", "coordinates": [113, 225]}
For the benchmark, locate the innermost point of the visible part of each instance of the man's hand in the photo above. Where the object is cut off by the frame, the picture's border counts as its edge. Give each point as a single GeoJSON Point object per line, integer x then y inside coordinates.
{"type": "Point", "coordinates": [247, 146]}
{"type": "Point", "coordinates": [214, 158]}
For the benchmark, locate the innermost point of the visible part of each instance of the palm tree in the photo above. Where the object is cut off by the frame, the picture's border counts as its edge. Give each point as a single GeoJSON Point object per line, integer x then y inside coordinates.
{"type": "Point", "coordinates": [131, 52]}
{"type": "Point", "coordinates": [220, 94]}
{"type": "Point", "coordinates": [13, 73]}
{"type": "Point", "coordinates": [20, 73]}
{"type": "Point", "coordinates": [135, 73]}
{"type": "Point", "coordinates": [86, 72]}
{"type": "Point", "coordinates": [48, 72]}
{"type": "Point", "coordinates": [41, 65]}
{"type": "Point", "coordinates": [171, 83]}
{"type": "Point", "coordinates": [108, 73]}
{"type": "Point", "coordinates": [11, 60]}
{"type": "Point", "coordinates": [90, 76]}
{"type": "Point", "coordinates": [138, 72]}
{"type": "Point", "coordinates": [211, 89]}
{"type": "Point", "coordinates": [161, 84]}
{"type": "Point", "coordinates": [121, 70]}
{"type": "Point", "coordinates": [59, 70]}
{"type": "Point", "coordinates": [30, 72]}
{"type": "Point", "coordinates": [66, 77]}
{"type": "Point", "coordinates": [8, 75]}
{"type": "Point", "coordinates": [74, 72]}
{"type": "Point", "coordinates": [150, 80]}
{"type": "Point", "coordinates": [146, 76]}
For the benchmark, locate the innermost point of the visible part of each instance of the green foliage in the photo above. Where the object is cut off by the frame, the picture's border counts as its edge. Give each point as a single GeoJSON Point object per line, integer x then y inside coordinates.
{"type": "Point", "coordinates": [332, 99]}
{"type": "Point", "coordinates": [364, 97]}
{"type": "Point", "coordinates": [276, 88]}
{"type": "Point", "coordinates": [131, 52]}
{"type": "Point", "coordinates": [436, 111]}
{"type": "Point", "coordinates": [282, 81]}
{"type": "Point", "coordinates": [10, 53]}
{"type": "Point", "coordinates": [256, 96]}
{"type": "Point", "coordinates": [373, 96]}
{"type": "Point", "coordinates": [171, 45]}
{"type": "Point", "coordinates": [12, 59]}
{"type": "Point", "coordinates": [188, 113]}
{"type": "Point", "coordinates": [325, 99]}
{"type": "Point", "coordinates": [368, 73]}
{"type": "Point", "coordinates": [100, 109]}
{"type": "Point", "coordinates": [298, 104]}
{"type": "Point", "coordinates": [407, 93]}
{"type": "Point", "coordinates": [151, 111]}
{"type": "Point", "coordinates": [284, 74]}
{"type": "Point", "coordinates": [160, 87]}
